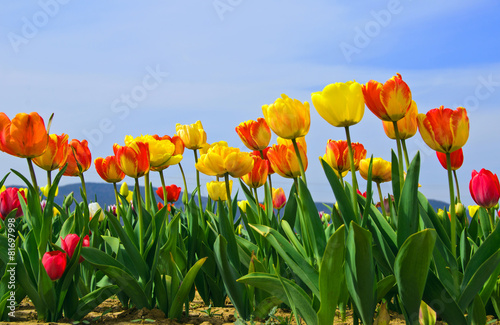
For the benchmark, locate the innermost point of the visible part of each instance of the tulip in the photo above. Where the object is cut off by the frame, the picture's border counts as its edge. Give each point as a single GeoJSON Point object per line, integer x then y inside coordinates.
{"type": "Point", "coordinates": [133, 160]}
{"type": "Point", "coordinates": [258, 175]}
{"type": "Point", "coordinates": [176, 140]}
{"type": "Point", "coordinates": [279, 198]}
{"type": "Point", "coordinates": [220, 160]}
{"type": "Point", "coordinates": [255, 135]}
{"type": "Point", "coordinates": [407, 126]}
{"type": "Point", "coordinates": [284, 160]}
{"type": "Point", "coordinates": [270, 170]}
{"type": "Point", "coordinates": [381, 170]}
{"type": "Point", "coordinates": [301, 141]}
{"type": "Point", "coordinates": [70, 242]}
{"type": "Point", "coordinates": [243, 205]}
{"type": "Point", "coordinates": [288, 118]}
{"type": "Point", "coordinates": [161, 151]}
{"type": "Point", "coordinates": [9, 200]}
{"type": "Point", "coordinates": [472, 210]}
{"type": "Point", "coordinates": [340, 104]}
{"type": "Point", "coordinates": [45, 190]}
{"type": "Point", "coordinates": [173, 192]}
{"type": "Point", "coordinates": [337, 155]}
{"type": "Point", "coordinates": [25, 136]}
{"type": "Point", "coordinates": [56, 154]}
{"type": "Point", "coordinates": [94, 207]}
{"type": "Point", "coordinates": [390, 101]}
{"type": "Point", "coordinates": [79, 158]}
{"type": "Point", "coordinates": [108, 169]}
{"type": "Point", "coordinates": [54, 263]}
{"type": "Point", "coordinates": [443, 129]}
{"type": "Point", "coordinates": [484, 188]}
{"type": "Point", "coordinates": [217, 190]}
{"type": "Point", "coordinates": [193, 136]}
{"type": "Point", "coordinates": [207, 146]}
{"type": "Point", "coordinates": [456, 158]}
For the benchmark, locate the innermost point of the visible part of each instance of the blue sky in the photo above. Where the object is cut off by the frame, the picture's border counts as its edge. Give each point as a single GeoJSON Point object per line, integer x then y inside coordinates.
{"type": "Point", "coordinates": [112, 68]}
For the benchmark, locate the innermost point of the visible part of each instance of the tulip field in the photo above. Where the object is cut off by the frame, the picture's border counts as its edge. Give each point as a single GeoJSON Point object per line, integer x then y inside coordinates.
{"type": "Point", "coordinates": [261, 248]}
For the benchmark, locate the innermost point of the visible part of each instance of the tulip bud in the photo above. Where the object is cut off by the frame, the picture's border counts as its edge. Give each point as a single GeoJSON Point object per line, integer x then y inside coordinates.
{"type": "Point", "coordinates": [93, 208]}
{"type": "Point", "coordinates": [54, 263]}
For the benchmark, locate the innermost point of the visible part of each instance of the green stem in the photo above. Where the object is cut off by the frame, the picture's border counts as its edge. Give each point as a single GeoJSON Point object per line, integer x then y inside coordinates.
{"type": "Point", "coordinates": [162, 179]}
{"type": "Point", "coordinates": [117, 198]}
{"type": "Point", "coordinates": [141, 220]}
{"type": "Point", "coordinates": [296, 182]}
{"type": "Point", "coordinates": [258, 207]}
{"type": "Point", "coordinates": [229, 201]}
{"type": "Point", "coordinates": [147, 191]}
{"type": "Point", "coordinates": [301, 165]}
{"type": "Point", "coordinates": [453, 217]}
{"type": "Point", "coordinates": [32, 173]}
{"type": "Point", "coordinates": [84, 188]}
{"type": "Point", "coordinates": [405, 152]}
{"type": "Point", "coordinates": [353, 173]}
{"type": "Point", "coordinates": [492, 219]}
{"type": "Point", "coordinates": [49, 180]}
{"type": "Point", "coordinates": [382, 205]}
{"type": "Point", "coordinates": [185, 192]}
{"type": "Point", "coordinates": [400, 156]}
{"type": "Point", "coordinates": [458, 189]}
{"type": "Point", "coordinates": [198, 181]}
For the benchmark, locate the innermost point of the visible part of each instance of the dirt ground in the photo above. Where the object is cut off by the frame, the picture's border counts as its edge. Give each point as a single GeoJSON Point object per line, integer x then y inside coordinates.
{"type": "Point", "coordinates": [110, 312]}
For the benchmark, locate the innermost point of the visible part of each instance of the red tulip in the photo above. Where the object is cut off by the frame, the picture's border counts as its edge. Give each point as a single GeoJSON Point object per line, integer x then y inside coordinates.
{"type": "Point", "coordinates": [9, 200]}
{"type": "Point", "coordinates": [258, 176]}
{"type": "Point", "coordinates": [55, 264]}
{"type": "Point", "coordinates": [70, 242]}
{"type": "Point", "coordinates": [456, 158]}
{"type": "Point", "coordinates": [484, 188]}
{"type": "Point", "coordinates": [79, 158]}
{"type": "Point", "coordinates": [173, 192]}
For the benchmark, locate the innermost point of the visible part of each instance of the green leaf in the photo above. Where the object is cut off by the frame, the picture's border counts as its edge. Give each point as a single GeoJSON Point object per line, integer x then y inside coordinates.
{"type": "Point", "coordinates": [477, 313]}
{"type": "Point", "coordinates": [439, 299]}
{"type": "Point", "coordinates": [118, 273]}
{"type": "Point", "coordinates": [360, 272]}
{"type": "Point", "coordinates": [89, 302]}
{"type": "Point", "coordinates": [182, 293]}
{"type": "Point", "coordinates": [345, 205]}
{"type": "Point", "coordinates": [396, 185]}
{"type": "Point", "coordinates": [275, 287]}
{"type": "Point", "coordinates": [408, 217]}
{"type": "Point", "coordinates": [331, 275]}
{"type": "Point", "coordinates": [293, 259]}
{"type": "Point", "coordinates": [384, 286]}
{"type": "Point", "coordinates": [411, 269]}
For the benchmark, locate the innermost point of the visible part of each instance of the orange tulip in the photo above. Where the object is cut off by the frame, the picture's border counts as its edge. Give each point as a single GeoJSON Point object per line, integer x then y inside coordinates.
{"type": "Point", "coordinates": [270, 170]}
{"type": "Point", "coordinates": [407, 126]}
{"type": "Point", "coordinates": [337, 155]}
{"type": "Point", "coordinates": [56, 154]}
{"type": "Point", "coordinates": [108, 169]}
{"type": "Point", "coordinates": [25, 136]}
{"type": "Point", "coordinates": [254, 134]}
{"type": "Point", "coordinates": [133, 159]}
{"type": "Point", "coordinates": [79, 158]}
{"type": "Point", "coordinates": [390, 101]}
{"type": "Point", "coordinates": [279, 198]}
{"type": "Point", "coordinates": [288, 118]}
{"type": "Point", "coordinates": [258, 176]}
{"type": "Point", "coordinates": [220, 160]}
{"type": "Point", "coordinates": [443, 129]}
{"type": "Point", "coordinates": [456, 158]}
{"type": "Point", "coordinates": [284, 160]}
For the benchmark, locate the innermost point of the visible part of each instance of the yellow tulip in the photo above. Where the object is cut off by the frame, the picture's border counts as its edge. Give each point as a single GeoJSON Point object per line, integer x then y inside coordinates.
{"type": "Point", "coordinates": [193, 135]}
{"type": "Point", "coordinates": [381, 170]}
{"type": "Point", "coordinates": [243, 205]}
{"type": "Point", "coordinates": [217, 190]}
{"type": "Point", "coordinates": [407, 126]}
{"type": "Point", "coordinates": [288, 118]}
{"type": "Point", "coordinates": [472, 210]}
{"type": "Point", "coordinates": [340, 104]}
{"type": "Point", "coordinates": [220, 160]}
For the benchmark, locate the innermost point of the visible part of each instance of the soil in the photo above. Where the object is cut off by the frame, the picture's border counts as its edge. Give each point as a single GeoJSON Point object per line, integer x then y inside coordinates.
{"type": "Point", "coordinates": [110, 312]}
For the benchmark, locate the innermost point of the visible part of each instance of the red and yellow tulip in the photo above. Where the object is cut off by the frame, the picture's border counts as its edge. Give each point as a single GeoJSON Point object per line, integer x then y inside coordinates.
{"type": "Point", "coordinates": [337, 155]}
{"type": "Point", "coordinates": [255, 135]}
{"type": "Point", "coordinates": [56, 154]}
{"type": "Point", "coordinates": [407, 126]}
{"type": "Point", "coordinates": [284, 160]}
{"type": "Point", "coordinates": [258, 176]}
{"type": "Point", "coordinates": [288, 118]}
{"type": "Point", "coordinates": [108, 169]}
{"type": "Point", "coordinates": [133, 159]}
{"type": "Point", "coordinates": [79, 158]}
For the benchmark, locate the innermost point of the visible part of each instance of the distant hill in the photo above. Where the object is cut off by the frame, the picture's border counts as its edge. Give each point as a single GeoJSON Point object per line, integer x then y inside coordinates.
{"type": "Point", "coordinates": [103, 193]}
